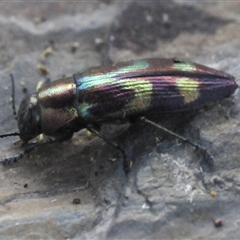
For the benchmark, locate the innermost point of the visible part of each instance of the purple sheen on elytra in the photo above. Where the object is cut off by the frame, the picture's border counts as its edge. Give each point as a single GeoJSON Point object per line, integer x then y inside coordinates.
{"type": "Point", "coordinates": [151, 85]}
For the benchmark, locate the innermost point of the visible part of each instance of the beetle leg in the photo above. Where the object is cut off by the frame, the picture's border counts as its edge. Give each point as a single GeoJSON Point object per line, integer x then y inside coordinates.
{"type": "Point", "coordinates": [206, 155]}
{"type": "Point", "coordinates": [125, 163]}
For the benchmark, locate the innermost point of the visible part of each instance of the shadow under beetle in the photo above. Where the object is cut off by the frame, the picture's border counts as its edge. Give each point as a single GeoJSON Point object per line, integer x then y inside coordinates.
{"type": "Point", "coordinates": [125, 91]}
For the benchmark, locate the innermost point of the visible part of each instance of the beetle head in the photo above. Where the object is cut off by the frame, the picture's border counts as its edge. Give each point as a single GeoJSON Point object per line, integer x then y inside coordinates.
{"type": "Point", "coordinates": [29, 118]}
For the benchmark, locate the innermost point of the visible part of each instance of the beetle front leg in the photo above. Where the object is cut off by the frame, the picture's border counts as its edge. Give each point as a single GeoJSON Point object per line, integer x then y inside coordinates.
{"type": "Point", "coordinates": [125, 164]}
{"type": "Point", "coordinates": [206, 155]}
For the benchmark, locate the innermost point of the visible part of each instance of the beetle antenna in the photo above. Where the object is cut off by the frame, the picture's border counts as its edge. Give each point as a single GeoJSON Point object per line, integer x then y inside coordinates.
{"type": "Point", "coordinates": [9, 135]}
{"type": "Point", "coordinates": [13, 97]}
{"type": "Point", "coordinates": [23, 152]}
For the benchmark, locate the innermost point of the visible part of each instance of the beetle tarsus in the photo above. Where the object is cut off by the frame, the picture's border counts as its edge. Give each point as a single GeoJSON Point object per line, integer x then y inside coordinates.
{"type": "Point", "coordinates": [125, 162]}
{"type": "Point", "coordinates": [208, 158]}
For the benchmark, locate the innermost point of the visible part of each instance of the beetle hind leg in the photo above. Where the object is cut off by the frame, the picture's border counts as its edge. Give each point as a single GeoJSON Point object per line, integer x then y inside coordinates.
{"type": "Point", "coordinates": [206, 155]}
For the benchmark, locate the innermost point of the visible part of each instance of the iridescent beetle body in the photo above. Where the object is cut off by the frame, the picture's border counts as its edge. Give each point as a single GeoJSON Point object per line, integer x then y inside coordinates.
{"type": "Point", "coordinates": [119, 92]}
{"type": "Point", "coordinates": [124, 90]}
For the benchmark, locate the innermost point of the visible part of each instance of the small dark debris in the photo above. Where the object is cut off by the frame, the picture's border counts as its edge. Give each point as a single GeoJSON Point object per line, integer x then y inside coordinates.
{"type": "Point", "coordinates": [218, 223]}
{"type": "Point", "coordinates": [74, 46]}
{"type": "Point", "coordinates": [25, 185]}
{"type": "Point", "coordinates": [25, 90]}
{"type": "Point", "coordinates": [76, 201]}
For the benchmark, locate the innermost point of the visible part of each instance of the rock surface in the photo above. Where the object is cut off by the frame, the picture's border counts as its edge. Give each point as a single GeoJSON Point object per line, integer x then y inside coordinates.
{"type": "Point", "coordinates": [77, 189]}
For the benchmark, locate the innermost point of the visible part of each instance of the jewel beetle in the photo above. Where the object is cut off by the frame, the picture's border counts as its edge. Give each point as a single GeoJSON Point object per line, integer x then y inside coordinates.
{"type": "Point", "coordinates": [118, 93]}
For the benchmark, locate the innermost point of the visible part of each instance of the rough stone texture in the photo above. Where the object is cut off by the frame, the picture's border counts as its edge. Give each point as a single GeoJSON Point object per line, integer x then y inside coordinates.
{"type": "Point", "coordinates": [167, 194]}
